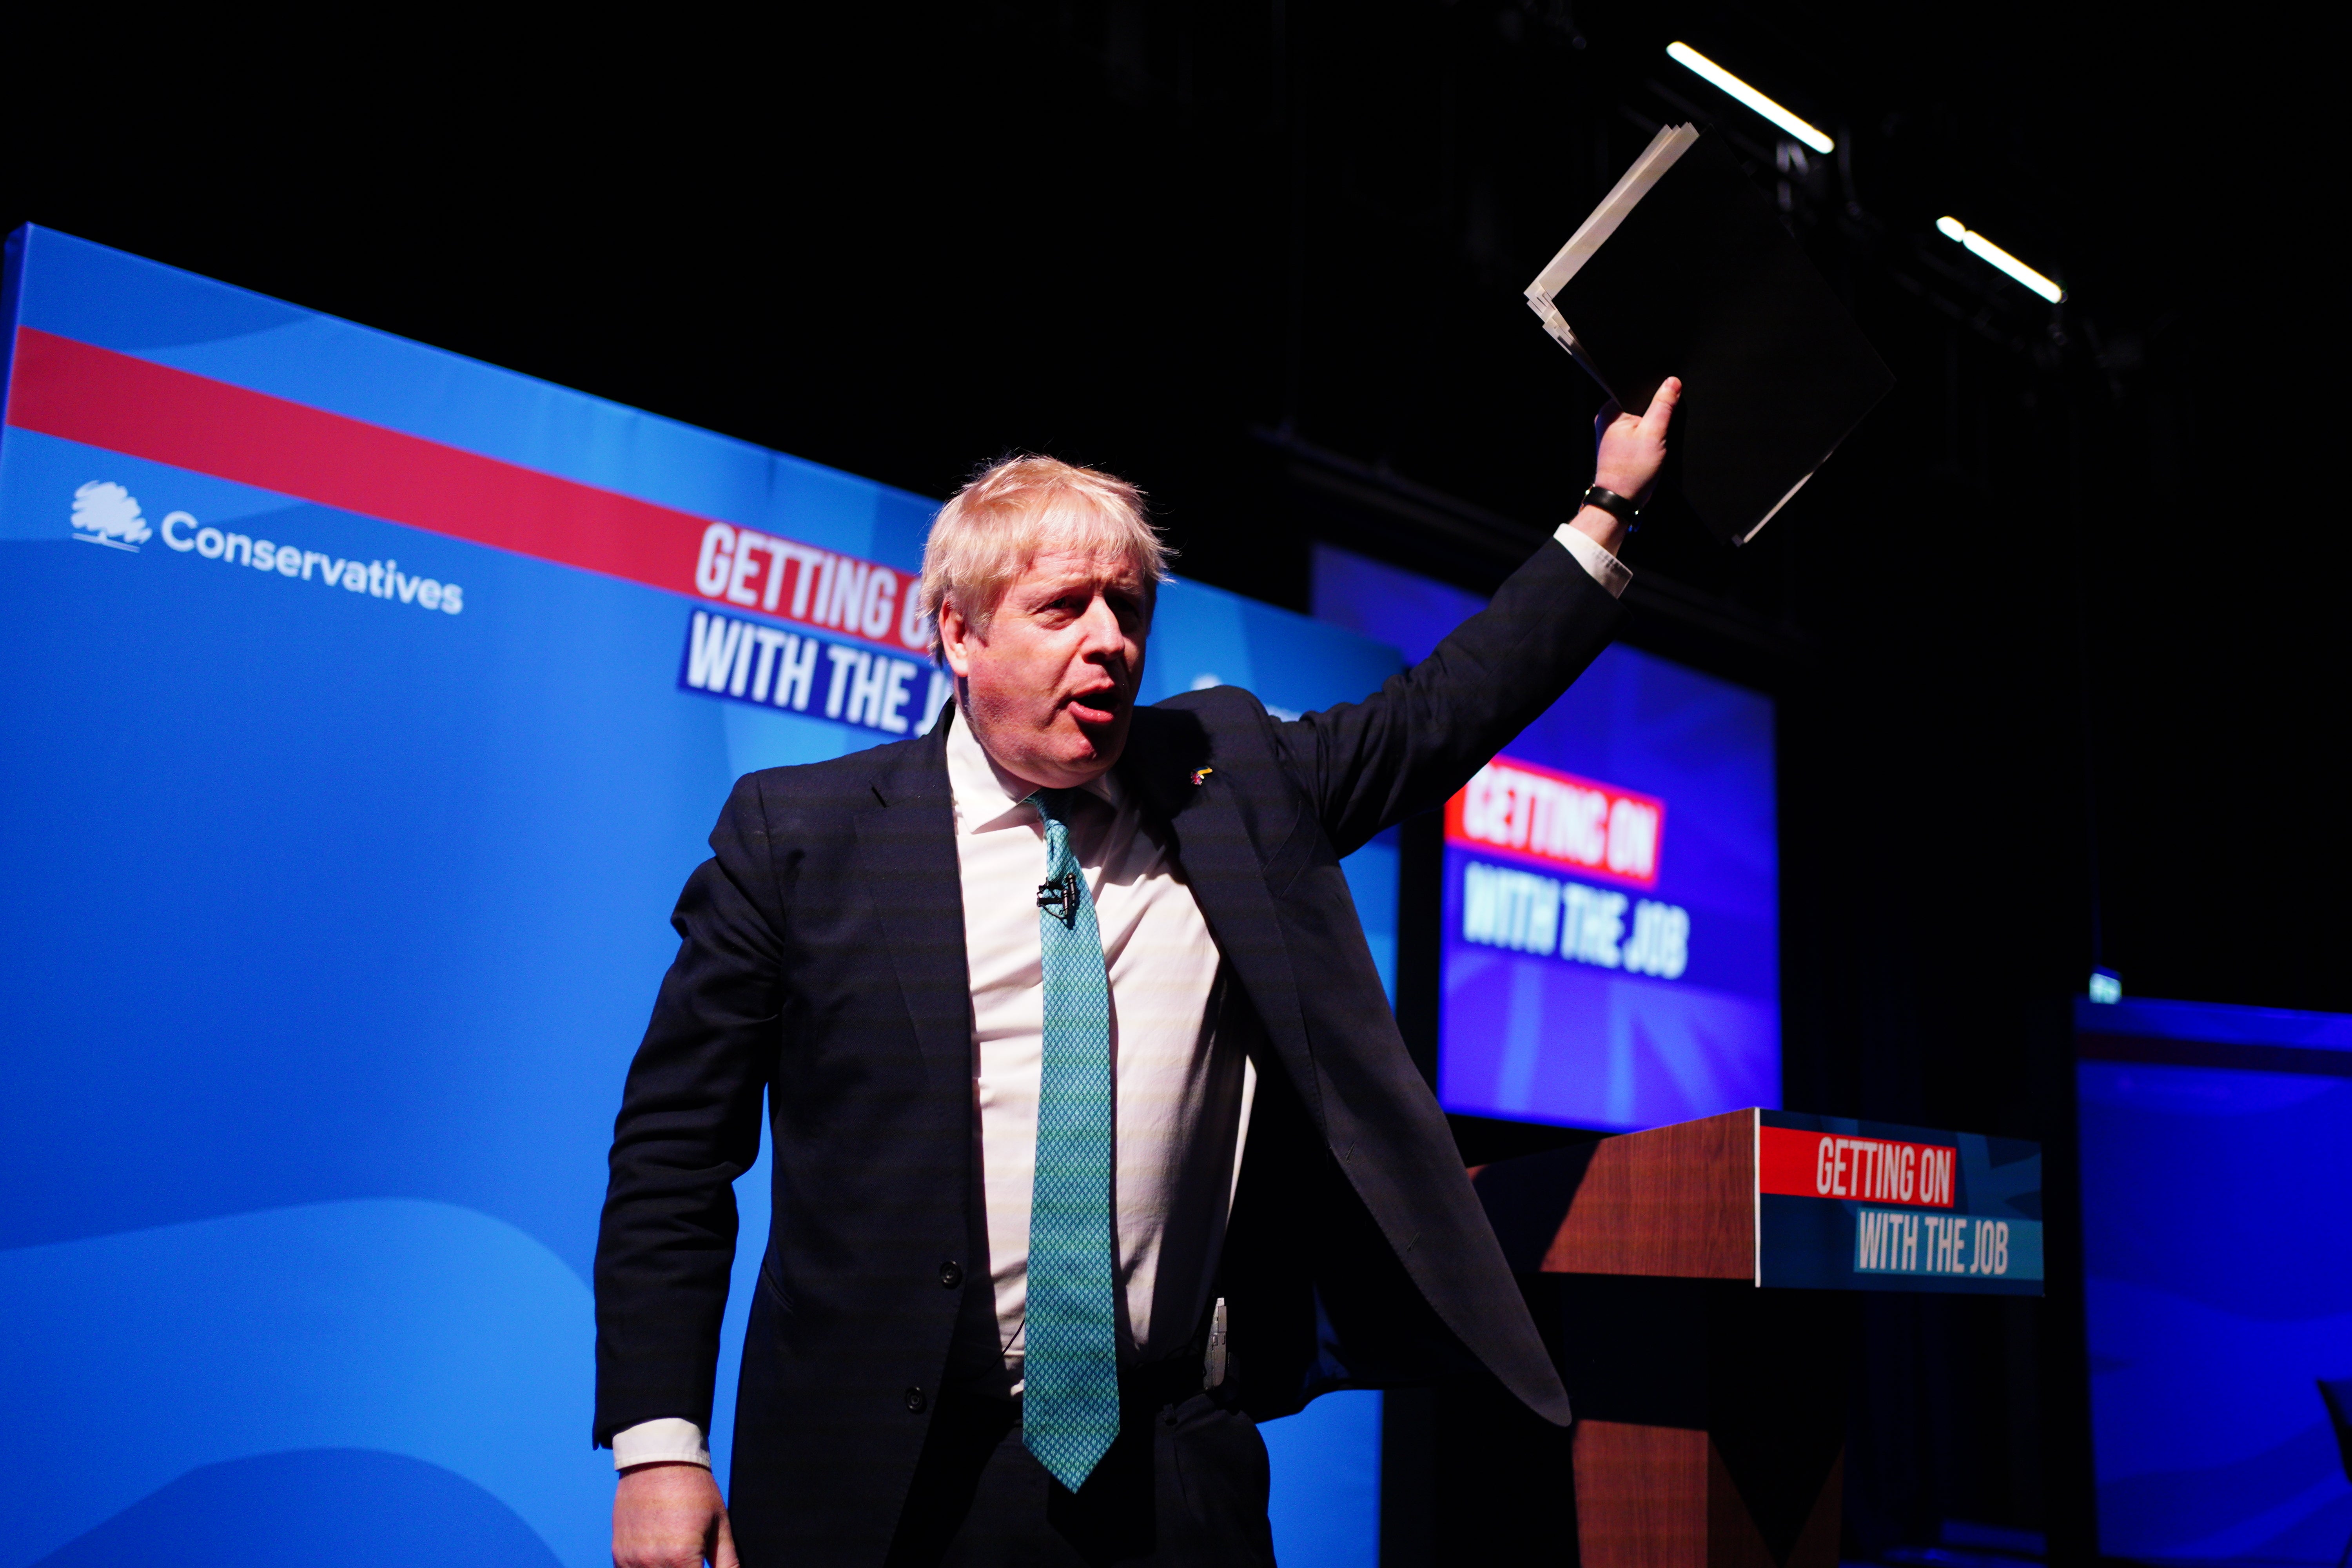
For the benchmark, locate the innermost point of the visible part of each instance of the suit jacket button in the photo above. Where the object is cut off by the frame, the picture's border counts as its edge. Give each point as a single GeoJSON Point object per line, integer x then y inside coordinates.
{"type": "Point", "coordinates": [915, 1402]}
{"type": "Point", "coordinates": [950, 1274]}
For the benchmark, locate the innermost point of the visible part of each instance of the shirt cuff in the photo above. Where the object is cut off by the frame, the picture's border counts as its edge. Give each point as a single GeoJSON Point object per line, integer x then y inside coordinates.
{"type": "Point", "coordinates": [671, 1440]}
{"type": "Point", "coordinates": [1593, 556]}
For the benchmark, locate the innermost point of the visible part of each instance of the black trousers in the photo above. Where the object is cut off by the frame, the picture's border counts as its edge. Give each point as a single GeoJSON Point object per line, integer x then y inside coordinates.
{"type": "Point", "coordinates": [1184, 1485]}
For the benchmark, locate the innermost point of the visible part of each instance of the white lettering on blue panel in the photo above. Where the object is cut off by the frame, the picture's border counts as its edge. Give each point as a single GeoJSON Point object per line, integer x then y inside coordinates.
{"type": "Point", "coordinates": [767, 667]}
{"type": "Point", "coordinates": [1514, 909]}
{"type": "Point", "coordinates": [1526, 912]}
{"type": "Point", "coordinates": [1946, 1246]}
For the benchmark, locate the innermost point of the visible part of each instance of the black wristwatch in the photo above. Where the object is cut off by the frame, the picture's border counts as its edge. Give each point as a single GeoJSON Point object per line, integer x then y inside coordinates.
{"type": "Point", "coordinates": [1615, 505]}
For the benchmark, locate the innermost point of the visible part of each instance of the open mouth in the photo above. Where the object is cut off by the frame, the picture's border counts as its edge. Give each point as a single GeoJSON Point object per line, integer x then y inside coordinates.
{"type": "Point", "coordinates": [1099, 706]}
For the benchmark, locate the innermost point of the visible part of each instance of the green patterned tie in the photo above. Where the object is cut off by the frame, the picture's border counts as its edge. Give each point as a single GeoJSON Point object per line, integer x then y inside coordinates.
{"type": "Point", "coordinates": [1069, 1407]}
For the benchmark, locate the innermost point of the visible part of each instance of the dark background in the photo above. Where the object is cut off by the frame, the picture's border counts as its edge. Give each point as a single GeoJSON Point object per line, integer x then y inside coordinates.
{"type": "Point", "coordinates": [2056, 635]}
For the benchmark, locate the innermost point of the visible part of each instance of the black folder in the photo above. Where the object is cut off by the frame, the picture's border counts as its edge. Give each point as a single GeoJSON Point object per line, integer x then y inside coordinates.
{"type": "Point", "coordinates": [1686, 269]}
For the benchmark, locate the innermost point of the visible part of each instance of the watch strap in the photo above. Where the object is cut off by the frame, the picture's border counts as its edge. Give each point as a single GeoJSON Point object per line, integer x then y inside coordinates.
{"type": "Point", "coordinates": [1617, 506]}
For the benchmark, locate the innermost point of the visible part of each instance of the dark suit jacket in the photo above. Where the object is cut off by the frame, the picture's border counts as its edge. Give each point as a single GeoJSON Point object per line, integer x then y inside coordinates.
{"type": "Point", "coordinates": [823, 966]}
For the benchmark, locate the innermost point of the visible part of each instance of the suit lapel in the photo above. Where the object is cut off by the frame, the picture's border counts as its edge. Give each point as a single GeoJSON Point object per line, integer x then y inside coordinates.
{"type": "Point", "coordinates": [1226, 871]}
{"type": "Point", "coordinates": [906, 869]}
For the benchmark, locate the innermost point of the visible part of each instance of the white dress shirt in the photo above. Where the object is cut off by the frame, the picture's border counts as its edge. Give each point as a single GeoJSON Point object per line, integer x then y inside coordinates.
{"type": "Point", "coordinates": [1181, 1095]}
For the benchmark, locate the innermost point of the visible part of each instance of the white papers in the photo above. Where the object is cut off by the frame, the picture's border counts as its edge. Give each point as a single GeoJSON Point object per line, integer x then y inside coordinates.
{"type": "Point", "coordinates": [1669, 143]}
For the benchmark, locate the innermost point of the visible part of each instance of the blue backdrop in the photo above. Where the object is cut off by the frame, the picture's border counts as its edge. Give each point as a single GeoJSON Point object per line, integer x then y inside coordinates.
{"type": "Point", "coordinates": [332, 920]}
{"type": "Point", "coordinates": [2217, 1256]}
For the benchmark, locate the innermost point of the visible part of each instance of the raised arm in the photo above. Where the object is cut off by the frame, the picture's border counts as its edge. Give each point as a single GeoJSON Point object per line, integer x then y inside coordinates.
{"type": "Point", "coordinates": [1413, 743]}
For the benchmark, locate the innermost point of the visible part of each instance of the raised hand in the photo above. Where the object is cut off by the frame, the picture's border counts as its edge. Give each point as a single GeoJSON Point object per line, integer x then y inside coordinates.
{"type": "Point", "coordinates": [1627, 457]}
{"type": "Point", "coordinates": [1630, 451]}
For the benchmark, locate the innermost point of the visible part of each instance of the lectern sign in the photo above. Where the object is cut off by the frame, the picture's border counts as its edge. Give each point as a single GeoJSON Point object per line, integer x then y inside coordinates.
{"type": "Point", "coordinates": [1820, 1203]}
{"type": "Point", "coordinates": [1847, 1204]}
{"type": "Point", "coordinates": [1829, 1166]}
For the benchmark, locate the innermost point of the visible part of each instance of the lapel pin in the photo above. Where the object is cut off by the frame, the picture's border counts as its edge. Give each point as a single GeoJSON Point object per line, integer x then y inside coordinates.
{"type": "Point", "coordinates": [1201, 776]}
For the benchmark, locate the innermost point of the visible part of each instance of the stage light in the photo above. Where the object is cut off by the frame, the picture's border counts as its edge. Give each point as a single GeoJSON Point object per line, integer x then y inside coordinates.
{"type": "Point", "coordinates": [1983, 250]}
{"type": "Point", "coordinates": [1691, 59]}
{"type": "Point", "coordinates": [2106, 987]}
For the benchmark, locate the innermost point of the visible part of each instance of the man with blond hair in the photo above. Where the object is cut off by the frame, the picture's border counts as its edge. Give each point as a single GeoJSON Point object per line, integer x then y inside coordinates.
{"type": "Point", "coordinates": [1095, 1141]}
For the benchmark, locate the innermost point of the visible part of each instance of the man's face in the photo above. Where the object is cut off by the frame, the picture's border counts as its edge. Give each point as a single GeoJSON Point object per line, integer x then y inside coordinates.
{"type": "Point", "coordinates": [1049, 689]}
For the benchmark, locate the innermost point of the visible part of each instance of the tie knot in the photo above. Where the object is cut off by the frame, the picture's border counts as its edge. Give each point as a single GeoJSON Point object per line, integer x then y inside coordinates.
{"type": "Point", "coordinates": [1053, 805]}
{"type": "Point", "coordinates": [1070, 816]}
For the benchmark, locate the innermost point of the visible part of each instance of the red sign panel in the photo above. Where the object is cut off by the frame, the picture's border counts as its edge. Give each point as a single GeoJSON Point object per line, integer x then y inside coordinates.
{"type": "Point", "coordinates": [1557, 819]}
{"type": "Point", "coordinates": [1874, 1170]}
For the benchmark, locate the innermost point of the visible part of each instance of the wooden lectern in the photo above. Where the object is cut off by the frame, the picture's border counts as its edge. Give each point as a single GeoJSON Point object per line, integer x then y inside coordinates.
{"type": "Point", "coordinates": [1697, 1279]}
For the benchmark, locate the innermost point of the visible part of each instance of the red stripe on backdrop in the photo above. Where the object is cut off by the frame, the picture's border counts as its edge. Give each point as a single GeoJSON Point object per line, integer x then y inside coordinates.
{"type": "Point", "coordinates": [78, 392]}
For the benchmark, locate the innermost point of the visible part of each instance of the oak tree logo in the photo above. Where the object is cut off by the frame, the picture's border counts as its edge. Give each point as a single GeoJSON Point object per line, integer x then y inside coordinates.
{"type": "Point", "coordinates": [105, 513]}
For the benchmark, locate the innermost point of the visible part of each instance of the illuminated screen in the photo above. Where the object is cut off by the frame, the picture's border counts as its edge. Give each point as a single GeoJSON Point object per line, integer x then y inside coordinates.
{"type": "Point", "coordinates": [1611, 948]}
{"type": "Point", "coordinates": [2217, 1263]}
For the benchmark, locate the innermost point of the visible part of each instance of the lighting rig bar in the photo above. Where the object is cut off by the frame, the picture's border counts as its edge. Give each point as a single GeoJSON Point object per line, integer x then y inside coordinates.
{"type": "Point", "coordinates": [1692, 60]}
{"type": "Point", "coordinates": [1951, 228]}
{"type": "Point", "coordinates": [1985, 250]}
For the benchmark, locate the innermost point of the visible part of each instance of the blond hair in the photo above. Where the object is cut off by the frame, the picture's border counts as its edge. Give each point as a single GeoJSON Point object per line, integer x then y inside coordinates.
{"type": "Point", "coordinates": [990, 531]}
